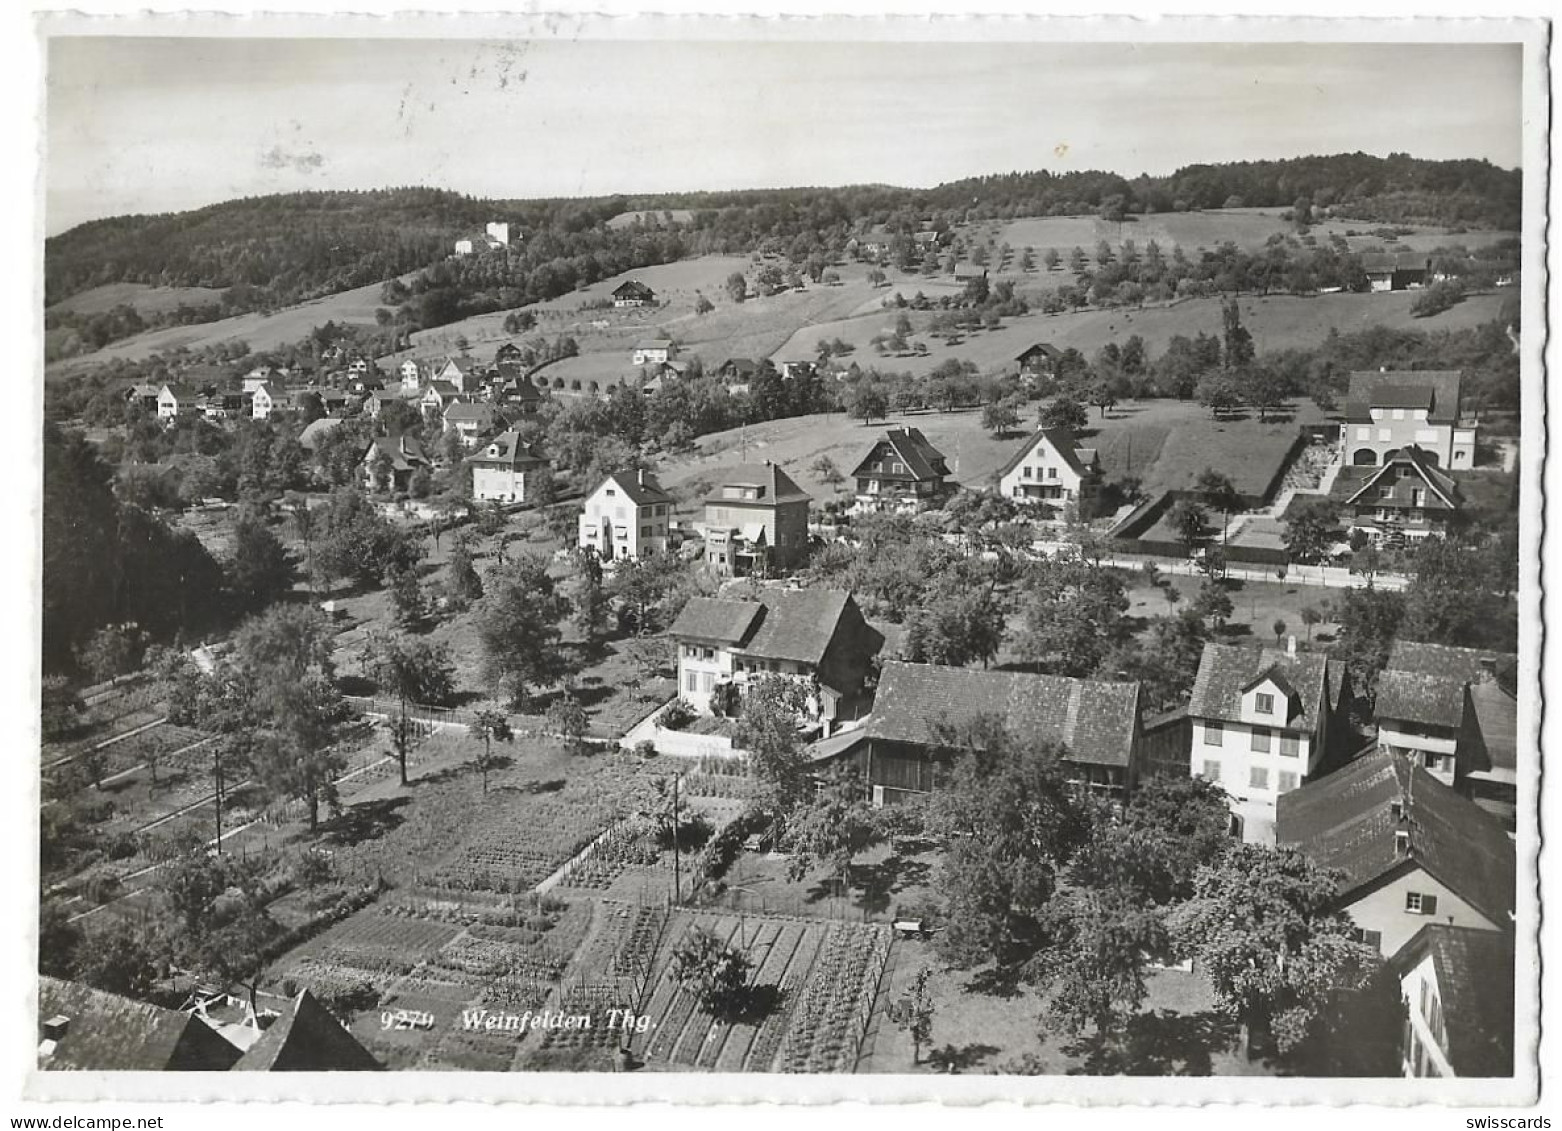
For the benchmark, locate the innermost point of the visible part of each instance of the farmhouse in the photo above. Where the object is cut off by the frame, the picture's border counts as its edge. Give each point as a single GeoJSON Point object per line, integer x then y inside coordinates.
{"type": "Point", "coordinates": [1408, 497]}
{"type": "Point", "coordinates": [627, 516]}
{"type": "Point", "coordinates": [901, 472]}
{"type": "Point", "coordinates": [1387, 410]}
{"type": "Point", "coordinates": [465, 373]}
{"type": "Point", "coordinates": [1039, 360]}
{"type": "Point", "coordinates": [925, 714]}
{"type": "Point", "coordinates": [968, 272]}
{"type": "Point", "coordinates": [267, 399]}
{"type": "Point", "coordinates": [738, 373]}
{"type": "Point", "coordinates": [654, 351]}
{"type": "Point", "coordinates": [633, 293]}
{"type": "Point", "coordinates": [1457, 987]}
{"type": "Point", "coordinates": [756, 521]}
{"type": "Point", "coordinates": [506, 470]}
{"type": "Point", "coordinates": [473, 421]}
{"type": "Point", "coordinates": [1053, 469]}
{"type": "Point", "coordinates": [1455, 712]}
{"type": "Point", "coordinates": [143, 394]}
{"type": "Point", "coordinates": [1263, 721]}
{"type": "Point", "coordinates": [88, 1030]}
{"type": "Point", "coordinates": [222, 406]}
{"type": "Point", "coordinates": [508, 354]}
{"type": "Point", "coordinates": [262, 375]}
{"type": "Point", "coordinates": [817, 636]}
{"type": "Point", "coordinates": [390, 461]}
{"type": "Point", "coordinates": [1389, 272]}
{"type": "Point", "coordinates": [176, 398]}
{"type": "Point", "coordinates": [515, 392]}
{"type": "Point", "coordinates": [1410, 849]}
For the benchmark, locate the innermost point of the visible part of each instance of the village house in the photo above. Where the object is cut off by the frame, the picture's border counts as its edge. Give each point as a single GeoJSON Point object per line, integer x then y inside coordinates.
{"type": "Point", "coordinates": [505, 470]}
{"type": "Point", "coordinates": [1410, 849]}
{"type": "Point", "coordinates": [924, 714]}
{"type": "Point", "coordinates": [411, 374]}
{"type": "Point", "coordinates": [737, 374]}
{"type": "Point", "coordinates": [495, 236]}
{"type": "Point", "coordinates": [439, 396]}
{"type": "Point", "coordinates": [1457, 987]}
{"type": "Point", "coordinates": [85, 1029]}
{"type": "Point", "coordinates": [1053, 469]}
{"type": "Point", "coordinates": [1407, 498]}
{"type": "Point", "coordinates": [1039, 360]}
{"type": "Point", "coordinates": [968, 272]}
{"type": "Point", "coordinates": [756, 522]}
{"type": "Point", "coordinates": [362, 386]}
{"type": "Point", "coordinates": [508, 354]}
{"type": "Point", "coordinates": [465, 373]}
{"type": "Point", "coordinates": [262, 375]}
{"type": "Point", "coordinates": [1388, 410]}
{"type": "Point", "coordinates": [473, 421]}
{"type": "Point", "coordinates": [627, 516]}
{"type": "Point", "coordinates": [798, 370]}
{"type": "Point", "coordinates": [817, 636]}
{"type": "Point", "coordinates": [633, 293]}
{"type": "Point", "coordinates": [901, 472]}
{"type": "Point", "coordinates": [654, 351]}
{"type": "Point", "coordinates": [1388, 271]}
{"type": "Point", "coordinates": [1455, 711]}
{"type": "Point", "coordinates": [266, 400]}
{"type": "Point", "coordinates": [176, 398]}
{"type": "Point", "coordinates": [220, 407]}
{"type": "Point", "coordinates": [515, 392]}
{"type": "Point", "coordinates": [1263, 721]}
{"type": "Point", "coordinates": [390, 461]}
{"type": "Point", "coordinates": [143, 394]}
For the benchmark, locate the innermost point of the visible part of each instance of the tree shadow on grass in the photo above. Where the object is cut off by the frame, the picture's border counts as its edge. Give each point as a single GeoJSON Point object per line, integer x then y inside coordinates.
{"type": "Point", "coordinates": [368, 820]}
{"type": "Point", "coordinates": [956, 1059]}
{"type": "Point", "coordinates": [761, 1001]}
{"type": "Point", "coordinates": [995, 981]}
{"type": "Point", "coordinates": [1159, 1043]}
{"type": "Point", "coordinates": [356, 685]}
{"type": "Point", "coordinates": [882, 880]}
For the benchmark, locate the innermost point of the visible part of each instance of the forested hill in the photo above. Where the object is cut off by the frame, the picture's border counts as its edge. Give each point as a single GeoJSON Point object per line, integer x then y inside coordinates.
{"type": "Point", "coordinates": [275, 250]}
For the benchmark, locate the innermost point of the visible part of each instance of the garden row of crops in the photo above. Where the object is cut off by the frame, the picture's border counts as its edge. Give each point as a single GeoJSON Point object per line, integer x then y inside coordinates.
{"type": "Point", "coordinates": [831, 1020]}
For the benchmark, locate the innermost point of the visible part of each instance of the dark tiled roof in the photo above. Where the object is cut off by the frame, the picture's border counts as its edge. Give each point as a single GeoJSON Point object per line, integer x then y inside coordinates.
{"type": "Point", "coordinates": [1366, 386]}
{"type": "Point", "coordinates": [1441, 659]}
{"type": "Point", "coordinates": [1497, 717]}
{"type": "Point", "coordinates": [1226, 671]}
{"type": "Point", "coordinates": [180, 390]}
{"type": "Point", "coordinates": [1403, 396]}
{"type": "Point", "coordinates": [404, 451]}
{"type": "Point", "coordinates": [633, 287]}
{"type": "Point", "coordinates": [640, 487]}
{"type": "Point", "coordinates": [1443, 492]}
{"type": "Point", "coordinates": [107, 1032]}
{"type": "Point", "coordinates": [654, 344]}
{"type": "Point", "coordinates": [922, 459]}
{"type": "Point", "coordinates": [1415, 697]}
{"type": "Point", "coordinates": [1394, 261]}
{"type": "Point", "coordinates": [444, 388]}
{"type": "Point", "coordinates": [307, 1039]}
{"type": "Point", "coordinates": [778, 486]}
{"type": "Point", "coordinates": [465, 365]}
{"type": "Point", "coordinates": [1046, 349]}
{"type": "Point", "coordinates": [739, 366]}
{"type": "Point", "coordinates": [477, 413]}
{"type": "Point", "coordinates": [1474, 970]}
{"type": "Point", "coordinates": [507, 450]}
{"type": "Point", "coordinates": [798, 624]}
{"type": "Point", "coordinates": [1095, 720]}
{"type": "Point", "coordinates": [1344, 820]}
{"type": "Point", "coordinates": [715, 620]}
{"type": "Point", "coordinates": [1063, 442]}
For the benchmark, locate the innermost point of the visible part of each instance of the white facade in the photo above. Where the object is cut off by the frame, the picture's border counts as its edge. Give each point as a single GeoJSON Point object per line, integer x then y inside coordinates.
{"type": "Point", "coordinates": [652, 353]}
{"type": "Point", "coordinates": [1255, 759]}
{"type": "Point", "coordinates": [411, 378]}
{"type": "Point", "coordinates": [1423, 1052]}
{"type": "Point", "coordinates": [701, 667]}
{"type": "Point", "coordinates": [615, 527]}
{"type": "Point", "coordinates": [1042, 474]}
{"type": "Point", "coordinates": [262, 404]}
{"type": "Point", "coordinates": [1436, 753]}
{"type": "Point", "coordinates": [167, 404]}
{"type": "Point", "coordinates": [500, 484]}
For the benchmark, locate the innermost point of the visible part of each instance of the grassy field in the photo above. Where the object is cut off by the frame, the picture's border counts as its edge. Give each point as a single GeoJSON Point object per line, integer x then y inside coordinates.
{"type": "Point", "coordinates": [145, 298]}
{"type": "Point", "coordinates": [261, 331]}
{"type": "Point", "coordinates": [1164, 442]}
{"type": "Point", "coordinates": [1248, 228]}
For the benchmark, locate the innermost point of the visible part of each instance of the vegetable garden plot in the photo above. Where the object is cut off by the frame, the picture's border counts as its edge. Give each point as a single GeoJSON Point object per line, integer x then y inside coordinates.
{"type": "Point", "coordinates": [829, 1024]}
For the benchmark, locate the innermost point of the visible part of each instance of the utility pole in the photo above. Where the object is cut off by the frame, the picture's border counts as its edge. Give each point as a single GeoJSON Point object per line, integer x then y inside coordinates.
{"type": "Point", "coordinates": [677, 849]}
{"type": "Point", "coordinates": [217, 775]}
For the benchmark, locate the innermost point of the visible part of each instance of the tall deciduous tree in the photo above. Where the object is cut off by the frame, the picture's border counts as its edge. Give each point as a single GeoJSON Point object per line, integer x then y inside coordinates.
{"type": "Point", "coordinates": [517, 624]}
{"type": "Point", "coordinates": [835, 827]}
{"type": "Point", "coordinates": [489, 726]}
{"type": "Point", "coordinates": [767, 729]}
{"type": "Point", "coordinates": [414, 671]}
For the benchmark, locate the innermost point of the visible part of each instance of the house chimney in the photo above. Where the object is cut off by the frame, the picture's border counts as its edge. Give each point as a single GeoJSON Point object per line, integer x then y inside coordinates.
{"type": "Point", "coordinates": [1396, 809]}
{"type": "Point", "coordinates": [640, 476]}
{"type": "Point", "coordinates": [54, 1028]}
{"type": "Point", "coordinates": [1401, 842]}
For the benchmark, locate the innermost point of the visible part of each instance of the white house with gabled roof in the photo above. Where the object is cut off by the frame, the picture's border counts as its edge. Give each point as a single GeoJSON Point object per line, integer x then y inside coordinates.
{"type": "Point", "coordinates": [627, 516]}
{"type": "Point", "coordinates": [1052, 468]}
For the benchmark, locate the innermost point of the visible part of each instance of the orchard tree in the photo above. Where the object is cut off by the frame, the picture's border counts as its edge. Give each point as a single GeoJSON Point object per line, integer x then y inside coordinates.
{"type": "Point", "coordinates": [737, 286]}
{"type": "Point", "coordinates": [567, 719]}
{"type": "Point", "coordinates": [767, 730]}
{"type": "Point", "coordinates": [1064, 412]}
{"type": "Point", "coordinates": [489, 726]}
{"type": "Point", "coordinates": [517, 623]}
{"type": "Point", "coordinates": [714, 973]}
{"type": "Point", "coordinates": [1001, 417]}
{"type": "Point", "coordinates": [1267, 930]}
{"type": "Point", "coordinates": [1189, 520]}
{"type": "Point", "coordinates": [1310, 529]}
{"type": "Point", "coordinates": [414, 671]}
{"type": "Point", "coordinates": [1073, 613]}
{"type": "Point", "coordinates": [835, 827]}
{"type": "Point", "coordinates": [867, 402]}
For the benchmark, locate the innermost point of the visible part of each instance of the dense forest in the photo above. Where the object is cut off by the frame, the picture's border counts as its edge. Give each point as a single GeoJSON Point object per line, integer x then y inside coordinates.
{"type": "Point", "coordinates": [272, 251]}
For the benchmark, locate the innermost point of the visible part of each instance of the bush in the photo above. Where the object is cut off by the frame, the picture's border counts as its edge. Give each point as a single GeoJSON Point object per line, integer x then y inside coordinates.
{"type": "Point", "coordinates": [677, 715]}
{"type": "Point", "coordinates": [123, 847]}
{"type": "Point", "coordinates": [1436, 299]}
{"type": "Point", "coordinates": [645, 748]}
